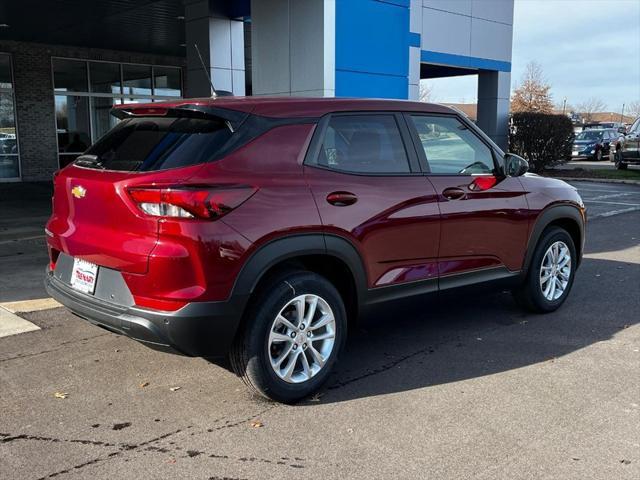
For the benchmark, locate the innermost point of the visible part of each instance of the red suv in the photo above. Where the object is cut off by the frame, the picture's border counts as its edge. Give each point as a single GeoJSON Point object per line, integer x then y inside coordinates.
{"type": "Point", "coordinates": [260, 227]}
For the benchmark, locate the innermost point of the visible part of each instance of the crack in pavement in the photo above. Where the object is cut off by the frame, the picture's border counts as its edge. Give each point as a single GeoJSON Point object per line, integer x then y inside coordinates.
{"type": "Point", "coordinates": [427, 350]}
{"type": "Point", "coordinates": [7, 438]}
{"type": "Point", "coordinates": [230, 424]}
{"type": "Point", "coordinates": [110, 456]}
{"type": "Point", "coordinates": [59, 347]}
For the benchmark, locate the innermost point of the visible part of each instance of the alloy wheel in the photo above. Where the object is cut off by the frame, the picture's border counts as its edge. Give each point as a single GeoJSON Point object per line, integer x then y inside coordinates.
{"type": "Point", "coordinates": [555, 271]}
{"type": "Point", "coordinates": [301, 338]}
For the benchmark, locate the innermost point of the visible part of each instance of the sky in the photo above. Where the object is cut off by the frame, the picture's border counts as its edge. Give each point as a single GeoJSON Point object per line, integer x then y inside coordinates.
{"type": "Point", "coordinates": [586, 48]}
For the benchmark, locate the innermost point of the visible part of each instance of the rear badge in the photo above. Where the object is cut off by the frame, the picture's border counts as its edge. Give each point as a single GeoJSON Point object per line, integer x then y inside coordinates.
{"type": "Point", "coordinates": [78, 191]}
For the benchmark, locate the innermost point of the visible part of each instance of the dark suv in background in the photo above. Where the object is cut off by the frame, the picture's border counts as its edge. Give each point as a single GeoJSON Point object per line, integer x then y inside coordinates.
{"type": "Point", "coordinates": [627, 150]}
{"type": "Point", "coordinates": [259, 228]}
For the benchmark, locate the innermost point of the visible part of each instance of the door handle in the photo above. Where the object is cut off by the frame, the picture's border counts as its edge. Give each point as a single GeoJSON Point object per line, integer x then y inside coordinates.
{"type": "Point", "coordinates": [341, 199]}
{"type": "Point", "coordinates": [454, 193]}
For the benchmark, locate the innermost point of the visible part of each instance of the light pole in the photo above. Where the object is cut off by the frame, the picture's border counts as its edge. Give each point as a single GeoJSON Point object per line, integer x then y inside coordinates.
{"type": "Point", "coordinates": [564, 105]}
{"type": "Point", "coordinates": [622, 114]}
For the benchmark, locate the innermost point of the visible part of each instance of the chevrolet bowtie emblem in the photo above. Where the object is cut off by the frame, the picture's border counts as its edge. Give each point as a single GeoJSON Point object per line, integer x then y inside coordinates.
{"type": "Point", "coordinates": [78, 191]}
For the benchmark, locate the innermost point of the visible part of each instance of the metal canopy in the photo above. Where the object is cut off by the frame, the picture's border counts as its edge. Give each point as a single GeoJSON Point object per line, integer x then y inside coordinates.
{"type": "Point", "coordinates": [149, 26]}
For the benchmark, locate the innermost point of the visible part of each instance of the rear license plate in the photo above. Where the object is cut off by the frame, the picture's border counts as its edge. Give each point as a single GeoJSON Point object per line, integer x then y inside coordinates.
{"type": "Point", "coordinates": [574, 153]}
{"type": "Point", "coordinates": [83, 276]}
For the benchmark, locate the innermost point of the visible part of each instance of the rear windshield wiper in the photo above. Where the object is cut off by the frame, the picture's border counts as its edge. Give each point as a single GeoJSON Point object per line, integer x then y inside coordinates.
{"type": "Point", "coordinates": [89, 161]}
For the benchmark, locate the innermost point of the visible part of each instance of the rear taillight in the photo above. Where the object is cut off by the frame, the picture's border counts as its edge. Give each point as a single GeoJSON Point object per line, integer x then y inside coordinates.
{"type": "Point", "coordinates": [196, 202]}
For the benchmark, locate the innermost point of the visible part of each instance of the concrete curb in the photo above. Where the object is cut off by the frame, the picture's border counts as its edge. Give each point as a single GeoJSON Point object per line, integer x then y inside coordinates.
{"type": "Point", "coordinates": [600, 180]}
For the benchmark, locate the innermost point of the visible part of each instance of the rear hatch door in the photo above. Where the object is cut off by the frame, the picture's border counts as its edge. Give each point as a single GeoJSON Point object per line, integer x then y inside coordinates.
{"type": "Point", "coordinates": [95, 219]}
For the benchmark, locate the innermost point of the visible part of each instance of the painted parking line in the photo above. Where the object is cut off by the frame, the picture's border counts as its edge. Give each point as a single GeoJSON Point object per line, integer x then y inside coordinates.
{"type": "Point", "coordinates": [613, 195]}
{"type": "Point", "coordinates": [611, 213]}
{"type": "Point", "coordinates": [605, 202]}
{"type": "Point", "coordinates": [35, 305]}
{"type": "Point", "coordinates": [11, 324]}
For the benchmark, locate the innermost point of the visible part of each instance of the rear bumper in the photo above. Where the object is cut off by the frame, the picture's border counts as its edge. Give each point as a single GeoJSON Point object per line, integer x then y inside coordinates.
{"type": "Point", "coordinates": [202, 329]}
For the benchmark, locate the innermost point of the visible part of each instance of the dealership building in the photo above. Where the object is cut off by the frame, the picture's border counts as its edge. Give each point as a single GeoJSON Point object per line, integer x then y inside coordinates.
{"type": "Point", "coordinates": [65, 64]}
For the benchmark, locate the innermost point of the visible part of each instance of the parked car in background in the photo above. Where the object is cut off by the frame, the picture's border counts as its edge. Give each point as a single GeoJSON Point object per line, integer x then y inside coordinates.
{"type": "Point", "coordinates": [627, 148]}
{"type": "Point", "coordinates": [594, 144]}
{"type": "Point", "coordinates": [261, 227]}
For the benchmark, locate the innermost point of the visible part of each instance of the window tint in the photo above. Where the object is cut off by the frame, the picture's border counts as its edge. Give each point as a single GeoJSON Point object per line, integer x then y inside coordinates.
{"type": "Point", "coordinates": [145, 144]}
{"type": "Point", "coordinates": [451, 148]}
{"type": "Point", "coordinates": [364, 144]}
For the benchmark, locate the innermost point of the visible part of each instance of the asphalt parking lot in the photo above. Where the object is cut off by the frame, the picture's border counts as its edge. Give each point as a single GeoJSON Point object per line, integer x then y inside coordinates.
{"type": "Point", "coordinates": [451, 387]}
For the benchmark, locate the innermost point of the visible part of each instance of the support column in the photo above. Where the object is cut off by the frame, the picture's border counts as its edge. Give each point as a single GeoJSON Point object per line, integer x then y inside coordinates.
{"type": "Point", "coordinates": [221, 44]}
{"type": "Point", "coordinates": [293, 47]}
{"type": "Point", "coordinates": [493, 105]}
{"type": "Point", "coordinates": [415, 27]}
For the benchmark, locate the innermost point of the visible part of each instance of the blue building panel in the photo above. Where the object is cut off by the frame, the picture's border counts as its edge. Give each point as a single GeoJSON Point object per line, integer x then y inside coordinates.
{"type": "Point", "coordinates": [370, 85]}
{"type": "Point", "coordinates": [372, 48]}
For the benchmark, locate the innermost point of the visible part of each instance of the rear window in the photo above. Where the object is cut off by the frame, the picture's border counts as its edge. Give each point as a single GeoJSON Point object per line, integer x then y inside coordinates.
{"type": "Point", "coordinates": [159, 143]}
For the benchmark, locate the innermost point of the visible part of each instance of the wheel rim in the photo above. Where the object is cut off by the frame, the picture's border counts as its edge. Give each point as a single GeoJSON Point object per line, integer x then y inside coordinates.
{"type": "Point", "coordinates": [555, 271]}
{"type": "Point", "coordinates": [301, 338]}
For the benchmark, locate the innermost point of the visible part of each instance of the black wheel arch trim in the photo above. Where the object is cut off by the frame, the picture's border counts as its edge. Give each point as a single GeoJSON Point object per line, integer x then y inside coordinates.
{"type": "Point", "coordinates": [290, 247]}
{"type": "Point", "coordinates": [547, 217]}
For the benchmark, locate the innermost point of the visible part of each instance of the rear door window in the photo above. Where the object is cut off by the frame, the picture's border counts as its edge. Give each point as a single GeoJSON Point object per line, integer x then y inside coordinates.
{"type": "Point", "coordinates": [364, 144]}
{"type": "Point", "coordinates": [159, 143]}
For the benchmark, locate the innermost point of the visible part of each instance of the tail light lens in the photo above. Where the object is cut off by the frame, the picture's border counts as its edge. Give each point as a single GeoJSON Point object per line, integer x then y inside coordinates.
{"type": "Point", "coordinates": [190, 202]}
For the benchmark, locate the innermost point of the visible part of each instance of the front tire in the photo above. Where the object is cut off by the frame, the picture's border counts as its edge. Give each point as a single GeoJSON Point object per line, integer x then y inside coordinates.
{"type": "Point", "coordinates": [551, 272]}
{"type": "Point", "coordinates": [598, 156]}
{"type": "Point", "coordinates": [294, 330]}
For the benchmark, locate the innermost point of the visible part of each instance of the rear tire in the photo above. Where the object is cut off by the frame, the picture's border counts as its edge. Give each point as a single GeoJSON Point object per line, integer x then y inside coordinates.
{"type": "Point", "coordinates": [268, 353]}
{"type": "Point", "coordinates": [555, 260]}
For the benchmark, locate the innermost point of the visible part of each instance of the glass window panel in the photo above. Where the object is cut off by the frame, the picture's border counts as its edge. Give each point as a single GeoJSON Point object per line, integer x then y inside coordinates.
{"type": "Point", "coordinates": [137, 100]}
{"type": "Point", "coordinates": [101, 119]}
{"type": "Point", "coordinates": [72, 122]}
{"type": "Point", "coordinates": [105, 77]}
{"type": "Point", "coordinates": [451, 148]}
{"type": "Point", "coordinates": [159, 143]}
{"type": "Point", "coordinates": [70, 75]}
{"type": "Point", "coordinates": [167, 81]}
{"type": "Point", "coordinates": [9, 166]}
{"type": "Point", "coordinates": [364, 144]}
{"type": "Point", "coordinates": [5, 71]}
{"type": "Point", "coordinates": [137, 79]}
{"type": "Point", "coordinates": [7, 121]}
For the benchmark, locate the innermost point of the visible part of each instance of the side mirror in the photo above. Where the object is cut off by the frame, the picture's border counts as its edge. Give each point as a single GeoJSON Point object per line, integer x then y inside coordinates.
{"type": "Point", "coordinates": [514, 165]}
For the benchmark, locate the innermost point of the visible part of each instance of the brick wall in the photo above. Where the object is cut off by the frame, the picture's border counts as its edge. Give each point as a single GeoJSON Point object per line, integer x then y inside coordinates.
{"type": "Point", "coordinates": [33, 89]}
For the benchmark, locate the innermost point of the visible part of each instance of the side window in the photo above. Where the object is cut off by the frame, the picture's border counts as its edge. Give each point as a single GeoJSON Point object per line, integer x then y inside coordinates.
{"type": "Point", "coordinates": [364, 144]}
{"type": "Point", "coordinates": [451, 148]}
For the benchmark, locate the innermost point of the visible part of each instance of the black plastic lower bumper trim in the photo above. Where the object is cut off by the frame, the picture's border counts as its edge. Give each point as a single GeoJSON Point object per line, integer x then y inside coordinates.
{"type": "Point", "coordinates": [202, 329]}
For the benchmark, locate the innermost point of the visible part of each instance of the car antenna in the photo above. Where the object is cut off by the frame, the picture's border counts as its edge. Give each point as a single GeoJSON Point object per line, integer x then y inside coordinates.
{"type": "Point", "coordinates": [214, 94]}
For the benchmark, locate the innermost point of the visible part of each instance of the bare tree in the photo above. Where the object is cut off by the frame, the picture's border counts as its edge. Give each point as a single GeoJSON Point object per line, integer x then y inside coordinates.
{"type": "Point", "coordinates": [533, 93]}
{"type": "Point", "coordinates": [566, 107]}
{"type": "Point", "coordinates": [426, 92]}
{"type": "Point", "coordinates": [591, 106]}
{"type": "Point", "coordinates": [633, 109]}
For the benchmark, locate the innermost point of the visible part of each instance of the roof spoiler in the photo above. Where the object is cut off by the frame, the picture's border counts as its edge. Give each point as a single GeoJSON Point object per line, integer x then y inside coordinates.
{"type": "Point", "coordinates": [233, 118]}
